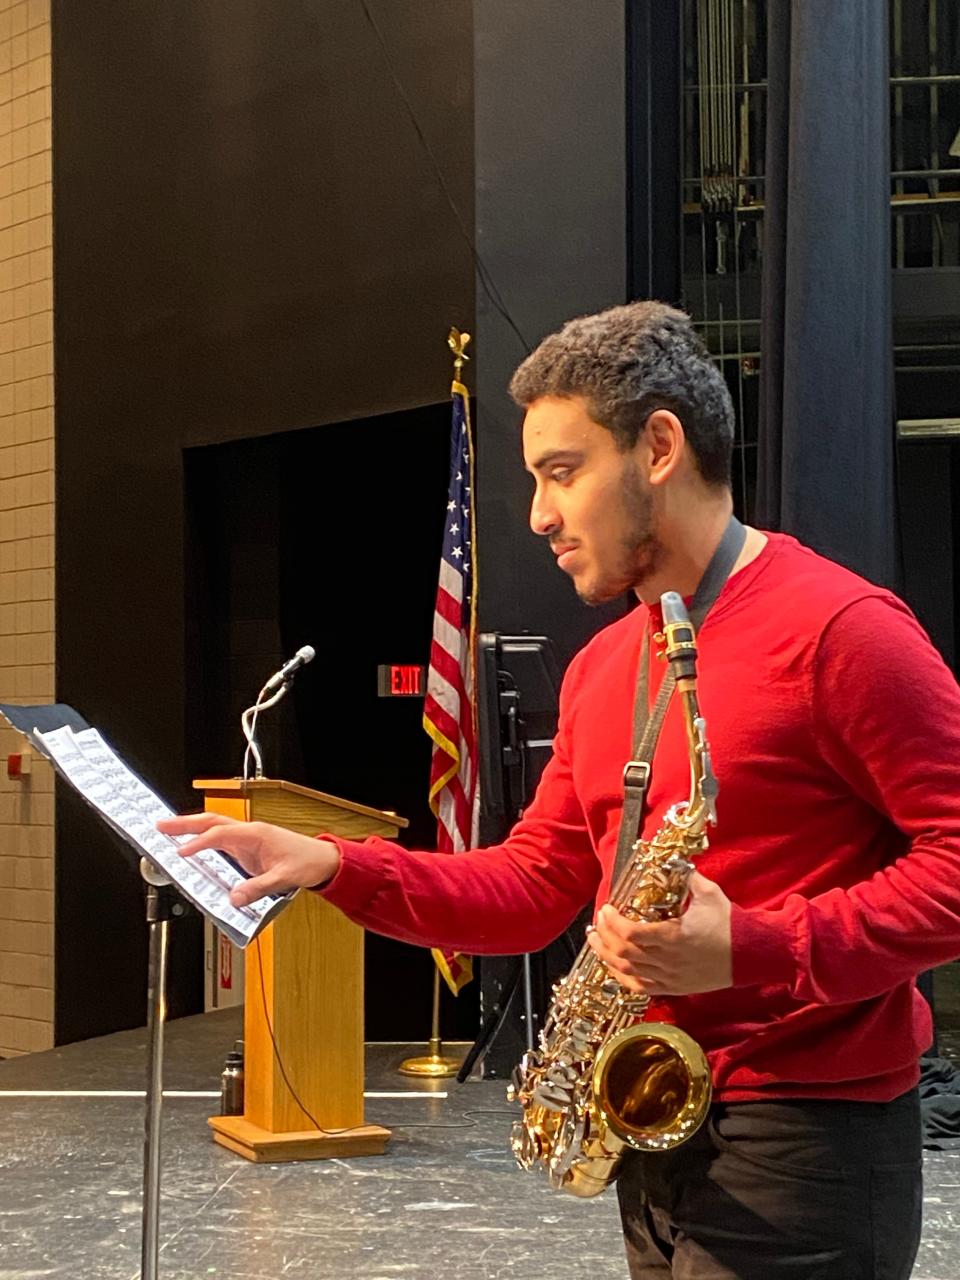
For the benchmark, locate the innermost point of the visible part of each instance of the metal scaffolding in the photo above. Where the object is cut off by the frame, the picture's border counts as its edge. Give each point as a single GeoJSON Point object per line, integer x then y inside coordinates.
{"type": "Point", "coordinates": [723, 197]}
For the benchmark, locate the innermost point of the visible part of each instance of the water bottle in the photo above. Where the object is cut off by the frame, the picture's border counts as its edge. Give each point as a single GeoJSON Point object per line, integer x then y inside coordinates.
{"type": "Point", "coordinates": [231, 1082]}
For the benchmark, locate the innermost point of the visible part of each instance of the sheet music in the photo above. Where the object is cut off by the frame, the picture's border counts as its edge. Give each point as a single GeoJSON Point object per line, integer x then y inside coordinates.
{"type": "Point", "coordinates": [91, 765]}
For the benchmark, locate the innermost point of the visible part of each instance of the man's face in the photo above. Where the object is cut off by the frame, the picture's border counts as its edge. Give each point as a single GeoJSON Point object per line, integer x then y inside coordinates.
{"type": "Point", "coordinates": [591, 500]}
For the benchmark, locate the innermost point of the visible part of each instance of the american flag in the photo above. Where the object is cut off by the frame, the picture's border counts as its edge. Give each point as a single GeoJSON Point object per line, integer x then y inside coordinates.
{"type": "Point", "coordinates": [449, 712]}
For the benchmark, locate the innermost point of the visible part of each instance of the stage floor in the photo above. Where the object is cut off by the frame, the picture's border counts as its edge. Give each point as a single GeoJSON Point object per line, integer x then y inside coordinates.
{"type": "Point", "coordinates": [445, 1201]}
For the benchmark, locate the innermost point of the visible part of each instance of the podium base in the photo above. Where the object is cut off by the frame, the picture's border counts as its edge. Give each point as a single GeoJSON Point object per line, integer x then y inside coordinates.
{"type": "Point", "coordinates": [263, 1147]}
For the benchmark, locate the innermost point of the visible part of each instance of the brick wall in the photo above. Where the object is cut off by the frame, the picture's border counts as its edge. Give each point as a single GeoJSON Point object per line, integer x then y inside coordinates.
{"type": "Point", "coordinates": [26, 518]}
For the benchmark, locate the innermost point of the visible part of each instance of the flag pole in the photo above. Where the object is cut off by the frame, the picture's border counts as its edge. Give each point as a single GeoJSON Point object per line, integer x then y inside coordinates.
{"type": "Point", "coordinates": [435, 1063]}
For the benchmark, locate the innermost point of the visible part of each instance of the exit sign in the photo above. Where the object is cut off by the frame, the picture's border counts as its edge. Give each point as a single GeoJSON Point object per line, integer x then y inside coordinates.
{"type": "Point", "coordinates": [399, 681]}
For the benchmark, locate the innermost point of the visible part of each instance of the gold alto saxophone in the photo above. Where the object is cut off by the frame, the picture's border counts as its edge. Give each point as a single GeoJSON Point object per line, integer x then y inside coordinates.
{"type": "Point", "coordinates": [601, 1080]}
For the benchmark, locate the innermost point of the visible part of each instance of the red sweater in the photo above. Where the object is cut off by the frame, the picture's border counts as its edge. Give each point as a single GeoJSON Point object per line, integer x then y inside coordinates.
{"type": "Point", "coordinates": [835, 735]}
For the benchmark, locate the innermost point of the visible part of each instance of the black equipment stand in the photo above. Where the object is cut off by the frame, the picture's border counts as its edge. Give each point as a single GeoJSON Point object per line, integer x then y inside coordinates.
{"type": "Point", "coordinates": [518, 685]}
{"type": "Point", "coordinates": [537, 988]}
{"type": "Point", "coordinates": [162, 905]}
{"type": "Point", "coordinates": [498, 1015]}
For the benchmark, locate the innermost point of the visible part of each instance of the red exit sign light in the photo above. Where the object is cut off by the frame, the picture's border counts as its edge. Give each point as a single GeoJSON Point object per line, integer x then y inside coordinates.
{"type": "Point", "coordinates": [401, 681]}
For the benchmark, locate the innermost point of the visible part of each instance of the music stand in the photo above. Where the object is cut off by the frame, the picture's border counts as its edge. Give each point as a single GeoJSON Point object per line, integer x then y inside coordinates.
{"type": "Point", "coordinates": [163, 903]}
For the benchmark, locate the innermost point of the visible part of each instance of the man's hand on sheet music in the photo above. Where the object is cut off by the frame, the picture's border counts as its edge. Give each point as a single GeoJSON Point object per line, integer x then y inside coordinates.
{"type": "Point", "coordinates": [276, 859]}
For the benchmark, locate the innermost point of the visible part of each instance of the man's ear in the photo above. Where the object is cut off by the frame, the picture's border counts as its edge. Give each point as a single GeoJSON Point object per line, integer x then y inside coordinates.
{"type": "Point", "coordinates": [665, 442]}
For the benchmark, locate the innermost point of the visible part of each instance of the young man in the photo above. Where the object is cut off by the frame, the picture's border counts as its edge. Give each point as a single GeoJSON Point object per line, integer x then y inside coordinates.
{"type": "Point", "coordinates": [832, 876]}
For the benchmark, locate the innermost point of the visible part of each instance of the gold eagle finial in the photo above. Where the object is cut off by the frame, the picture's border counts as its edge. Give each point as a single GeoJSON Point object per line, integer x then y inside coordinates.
{"type": "Point", "coordinates": [457, 342]}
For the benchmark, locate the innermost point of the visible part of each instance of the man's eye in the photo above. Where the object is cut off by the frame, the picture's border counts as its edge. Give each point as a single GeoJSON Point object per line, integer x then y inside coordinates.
{"type": "Point", "coordinates": [561, 474]}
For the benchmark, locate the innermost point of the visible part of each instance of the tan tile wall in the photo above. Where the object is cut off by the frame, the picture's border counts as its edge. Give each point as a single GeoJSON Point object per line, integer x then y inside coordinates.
{"type": "Point", "coordinates": [26, 518]}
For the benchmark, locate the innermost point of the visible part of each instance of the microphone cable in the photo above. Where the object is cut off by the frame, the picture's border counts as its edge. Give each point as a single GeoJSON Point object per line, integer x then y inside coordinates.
{"type": "Point", "coordinates": [248, 722]}
{"type": "Point", "coordinates": [357, 1128]}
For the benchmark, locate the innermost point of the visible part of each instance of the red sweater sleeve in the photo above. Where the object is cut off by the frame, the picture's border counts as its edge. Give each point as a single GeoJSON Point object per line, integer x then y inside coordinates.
{"type": "Point", "coordinates": [503, 900]}
{"type": "Point", "coordinates": [887, 720]}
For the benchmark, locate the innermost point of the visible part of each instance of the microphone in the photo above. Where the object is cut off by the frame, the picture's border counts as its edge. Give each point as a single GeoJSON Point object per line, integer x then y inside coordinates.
{"type": "Point", "coordinates": [269, 696]}
{"type": "Point", "coordinates": [289, 669]}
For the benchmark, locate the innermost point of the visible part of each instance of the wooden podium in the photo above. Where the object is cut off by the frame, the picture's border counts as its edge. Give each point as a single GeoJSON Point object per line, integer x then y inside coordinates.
{"type": "Point", "coordinates": [303, 1011]}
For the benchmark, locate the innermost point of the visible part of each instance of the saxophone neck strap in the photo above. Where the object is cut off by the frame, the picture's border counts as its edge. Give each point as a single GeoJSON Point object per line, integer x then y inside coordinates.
{"type": "Point", "coordinates": [647, 723]}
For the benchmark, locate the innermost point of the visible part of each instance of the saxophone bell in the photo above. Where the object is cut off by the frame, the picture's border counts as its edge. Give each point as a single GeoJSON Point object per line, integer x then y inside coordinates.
{"type": "Point", "coordinates": [651, 1086]}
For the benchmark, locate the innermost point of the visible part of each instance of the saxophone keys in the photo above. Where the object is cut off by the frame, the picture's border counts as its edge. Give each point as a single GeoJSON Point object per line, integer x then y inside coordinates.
{"type": "Point", "coordinates": [561, 1074]}
{"type": "Point", "coordinates": [525, 1146]}
{"type": "Point", "coordinates": [566, 1150]}
{"type": "Point", "coordinates": [551, 1098]}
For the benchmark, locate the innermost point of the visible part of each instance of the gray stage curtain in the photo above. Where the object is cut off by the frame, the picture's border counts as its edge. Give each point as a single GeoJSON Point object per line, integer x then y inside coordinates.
{"type": "Point", "coordinates": [827, 423]}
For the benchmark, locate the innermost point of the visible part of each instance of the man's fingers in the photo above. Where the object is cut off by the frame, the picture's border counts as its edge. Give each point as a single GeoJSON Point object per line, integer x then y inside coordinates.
{"type": "Point", "coordinates": [621, 934]}
{"type": "Point", "coordinates": [615, 930]}
{"type": "Point", "coordinates": [188, 824]}
{"type": "Point", "coordinates": [625, 964]}
{"type": "Point", "coordinates": [198, 844]}
{"type": "Point", "coordinates": [248, 891]}
{"type": "Point", "coordinates": [615, 948]}
{"type": "Point", "coordinates": [701, 887]}
{"type": "Point", "coordinates": [629, 983]}
{"type": "Point", "coordinates": [239, 838]}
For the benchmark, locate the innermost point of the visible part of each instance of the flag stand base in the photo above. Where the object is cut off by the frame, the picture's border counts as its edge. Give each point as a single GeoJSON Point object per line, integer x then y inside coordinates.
{"type": "Point", "coordinates": [434, 1064]}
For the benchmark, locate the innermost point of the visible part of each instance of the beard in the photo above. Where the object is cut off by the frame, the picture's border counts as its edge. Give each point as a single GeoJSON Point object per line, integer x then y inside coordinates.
{"type": "Point", "coordinates": [639, 550]}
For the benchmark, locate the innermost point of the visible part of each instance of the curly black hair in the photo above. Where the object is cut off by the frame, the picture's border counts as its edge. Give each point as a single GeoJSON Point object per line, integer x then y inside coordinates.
{"type": "Point", "coordinates": [628, 361]}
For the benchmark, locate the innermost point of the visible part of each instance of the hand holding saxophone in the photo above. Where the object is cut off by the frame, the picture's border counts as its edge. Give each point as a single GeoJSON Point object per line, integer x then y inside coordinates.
{"type": "Point", "coordinates": [677, 957]}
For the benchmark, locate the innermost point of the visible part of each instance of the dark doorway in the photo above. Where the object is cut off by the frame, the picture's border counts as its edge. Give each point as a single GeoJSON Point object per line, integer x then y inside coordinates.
{"type": "Point", "coordinates": [329, 537]}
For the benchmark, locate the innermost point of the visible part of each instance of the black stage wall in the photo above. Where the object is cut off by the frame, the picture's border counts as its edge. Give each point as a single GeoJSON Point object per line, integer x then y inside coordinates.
{"type": "Point", "coordinates": [249, 239]}
{"type": "Point", "coordinates": [551, 148]}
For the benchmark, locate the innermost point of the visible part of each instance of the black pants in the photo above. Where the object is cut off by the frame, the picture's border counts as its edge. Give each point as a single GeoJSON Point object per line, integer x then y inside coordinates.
{"type": "Point", "coordinates": [780, 1191]}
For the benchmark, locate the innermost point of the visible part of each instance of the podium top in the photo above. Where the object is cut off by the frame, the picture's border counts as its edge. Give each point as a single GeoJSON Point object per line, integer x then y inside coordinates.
{"type": "Point", "coordinates": [240, 787]}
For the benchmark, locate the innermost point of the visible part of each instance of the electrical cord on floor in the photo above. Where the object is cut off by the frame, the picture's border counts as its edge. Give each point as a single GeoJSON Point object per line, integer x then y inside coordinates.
{"type": "Point", "coordinates": [335, 1133]}
{"type": "Point", "coordinates": [470, 1124]}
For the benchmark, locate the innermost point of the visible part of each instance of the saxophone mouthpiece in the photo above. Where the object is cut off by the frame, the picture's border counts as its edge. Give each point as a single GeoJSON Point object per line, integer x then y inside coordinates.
{"type": "Point", "coordinates": [673, 608]}
{"type": "Point", "coordinates": [681, 641]}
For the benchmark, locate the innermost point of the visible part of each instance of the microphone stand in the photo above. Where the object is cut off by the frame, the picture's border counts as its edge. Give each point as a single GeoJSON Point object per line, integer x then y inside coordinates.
{"type": "Point", "coordinates": [162, 905]}
{"type": "Point", "coordinates": [248, 722]}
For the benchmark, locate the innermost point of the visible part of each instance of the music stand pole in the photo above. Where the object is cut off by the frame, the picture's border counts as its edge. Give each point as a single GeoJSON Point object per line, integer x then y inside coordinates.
{"type": "Point", "coordinates": [161, 905]}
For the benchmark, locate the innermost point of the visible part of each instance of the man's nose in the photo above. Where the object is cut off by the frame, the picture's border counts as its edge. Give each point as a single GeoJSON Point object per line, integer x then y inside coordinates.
{"type": "Point", "coordinates": [543, 514]}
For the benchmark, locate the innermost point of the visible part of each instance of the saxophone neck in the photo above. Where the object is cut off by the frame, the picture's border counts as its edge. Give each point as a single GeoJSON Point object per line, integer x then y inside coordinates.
{"type": "Point", "coordinates": [681, 653]}
{"type": "Point", "coordinates": [702, 807]}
